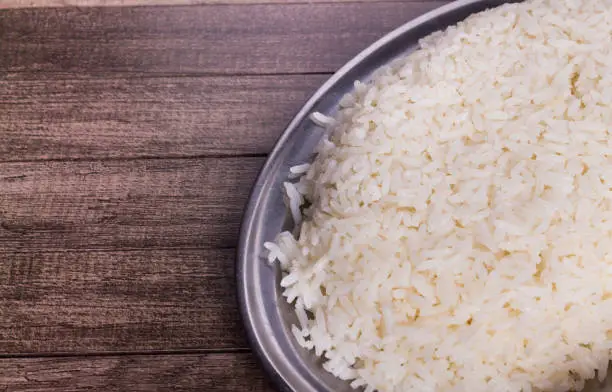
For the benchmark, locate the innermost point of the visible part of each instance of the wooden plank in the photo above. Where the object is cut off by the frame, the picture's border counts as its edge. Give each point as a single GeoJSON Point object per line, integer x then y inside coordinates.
{"type": "Point", "coordinates": [135, 373]}
{"type": "Point", "coordinates": [133, 204]}
{"type": "Point", "coordinates": [123, 3]}
{"type": "Point", "coordinates": [117, 117]}
{"type": "Point", "coordinates": [84, 302]}
{"type": "Point", "coordinates": [221, 39]}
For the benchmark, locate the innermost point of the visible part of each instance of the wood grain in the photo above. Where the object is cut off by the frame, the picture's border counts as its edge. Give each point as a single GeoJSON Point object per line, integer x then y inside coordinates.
{"type": "Point", "coordinates": [116, 205]}
{"type": "Point", "coordinates": [228, 372]}
{"type": "Point", "coordinates": [129, 140]}
{"type": "Point", "coordinates": [125, 3]}
{"type": "Point", "coordinates": [116, 117]}
{"type": "Point", "coordinates": [87, 302]}
{"type": "Point", "coordinates": [222, 39]}
{"type": "Point", "coordinates": [225, 372]}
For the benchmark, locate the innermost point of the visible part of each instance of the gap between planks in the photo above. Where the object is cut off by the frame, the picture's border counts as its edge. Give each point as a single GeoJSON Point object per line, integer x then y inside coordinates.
{"type": "Point", "coordinates": [134, 158]}
{"type": "Point", "coordinates": [102, 354]}
{"type": "Point", "coordinates": [57, 295]}
{"type": "Point", "coordinates": [79, 118]}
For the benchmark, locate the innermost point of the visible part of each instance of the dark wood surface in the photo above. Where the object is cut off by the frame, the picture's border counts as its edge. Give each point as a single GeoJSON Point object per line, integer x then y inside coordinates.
{"type": "Point", "coordinates": [151, 116]}
{"type": "Point", "coordinates": [215, 39]}
{"type": "Point", "coordinates": [135, 373]}
{"type": "Point", "coordinates": [129, 140]}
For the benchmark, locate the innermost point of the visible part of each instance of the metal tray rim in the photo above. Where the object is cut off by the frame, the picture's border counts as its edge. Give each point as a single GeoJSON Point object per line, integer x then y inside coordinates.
{"type": "Point", "coordinates": [247, 294]}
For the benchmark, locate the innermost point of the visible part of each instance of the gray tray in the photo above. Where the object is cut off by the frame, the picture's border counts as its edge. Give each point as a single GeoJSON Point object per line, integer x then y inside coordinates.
{"type": "Point", "coordinates": [266, 315]}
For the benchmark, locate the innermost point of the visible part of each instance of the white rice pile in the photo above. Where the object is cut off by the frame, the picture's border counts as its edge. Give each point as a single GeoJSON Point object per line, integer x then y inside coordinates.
{"type": "Point", "coordinates": [458, 233]}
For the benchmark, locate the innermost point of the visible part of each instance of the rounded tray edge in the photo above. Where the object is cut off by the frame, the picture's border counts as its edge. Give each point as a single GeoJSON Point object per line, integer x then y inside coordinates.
{"type": "Point", "coordinates": [245, 254]}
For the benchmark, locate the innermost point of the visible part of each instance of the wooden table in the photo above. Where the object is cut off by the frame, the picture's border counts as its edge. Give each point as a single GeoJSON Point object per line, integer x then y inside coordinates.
{"type": "Point", "coordinates": [129, 140]}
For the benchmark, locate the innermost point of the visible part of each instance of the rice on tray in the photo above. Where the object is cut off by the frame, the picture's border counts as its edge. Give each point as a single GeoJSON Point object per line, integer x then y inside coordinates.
{"type": "Point", "coordinates": [456, 226]}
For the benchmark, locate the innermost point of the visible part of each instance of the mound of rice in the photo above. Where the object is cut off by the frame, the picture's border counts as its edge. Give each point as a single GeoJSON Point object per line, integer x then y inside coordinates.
{"type": "Point", "coordinates": [455, 231]}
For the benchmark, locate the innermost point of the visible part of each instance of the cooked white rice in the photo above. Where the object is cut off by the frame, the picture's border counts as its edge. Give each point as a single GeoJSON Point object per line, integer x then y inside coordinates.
{"type": "Point", "coordinates": [459, 229]}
